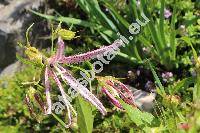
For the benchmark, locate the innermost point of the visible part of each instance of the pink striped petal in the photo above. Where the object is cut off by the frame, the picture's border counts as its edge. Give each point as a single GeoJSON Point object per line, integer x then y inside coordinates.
{"type": "Point", "coordinates": [47, 90]}
{"type": "Point", "coordinates": [92, 54]}
{"type": "Point", "coordinates": [124, 92]}
{"type": "Point", "coordinates": [60, 50]}
{"type": "Point", "coordinates": [67, 103]}
{"type": "Point", "coordinates": [111, 97]}
{"type": "Point", "coordinates": [84, 92]}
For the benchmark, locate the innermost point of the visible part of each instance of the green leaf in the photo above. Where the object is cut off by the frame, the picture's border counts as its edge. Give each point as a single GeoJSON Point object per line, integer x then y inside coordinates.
{"type": "Point", "coordinates": [67, 20]}
{"type": "Point", "coordinates": [183, 84]}
{"type": "Point", "coordinates": [188, 41]}
{"type": "Point", "coordinates": [161, 24]}
{"type": "Point", "coordinates": [137, 116]}
{"type": "Point", "coordinates": [59, 120]}
{"type": "Point", "coordinates": [173, 32]}
{"type": "Point", "coordinates": [131, 130]}
{"type": "Point", "coordinates": [85, 117]}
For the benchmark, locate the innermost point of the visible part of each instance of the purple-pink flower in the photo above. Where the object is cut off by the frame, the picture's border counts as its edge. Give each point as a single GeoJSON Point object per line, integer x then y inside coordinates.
{"type": "Point", "coordinates": [114, 90]}
{"type": "Point", "coordinates": [167, 76]}
{"type": "Point", "coordinates": [167, 13]}
{"type": "Point", "coordinates": [57, 72]}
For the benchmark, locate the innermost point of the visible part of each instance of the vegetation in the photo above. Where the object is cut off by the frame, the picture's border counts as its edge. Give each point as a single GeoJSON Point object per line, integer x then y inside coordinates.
{"type": "Point", "coordinates": [164, 52]}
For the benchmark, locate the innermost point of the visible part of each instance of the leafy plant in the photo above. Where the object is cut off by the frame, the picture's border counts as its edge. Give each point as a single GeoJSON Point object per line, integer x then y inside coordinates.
{"type": "Point", "coordinates": [157, 39]}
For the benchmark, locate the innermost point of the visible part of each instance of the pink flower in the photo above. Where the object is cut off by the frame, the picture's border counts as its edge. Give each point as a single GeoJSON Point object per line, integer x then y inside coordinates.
{"type": "Point", "coordinates": [114, 90]}
{"type": "Point", "coordinates": [167, 76]}
{"type": "Point", "coordinates": [167, 13]}
{"type": "Point", "coordinates": [55, 70]}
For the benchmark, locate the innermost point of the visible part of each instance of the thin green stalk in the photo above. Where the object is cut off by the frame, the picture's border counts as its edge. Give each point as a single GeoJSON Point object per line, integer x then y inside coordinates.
{"type": "Point", "coordinates": [59, 120]}
{"type": "Point", "coordinates": [27, 32]}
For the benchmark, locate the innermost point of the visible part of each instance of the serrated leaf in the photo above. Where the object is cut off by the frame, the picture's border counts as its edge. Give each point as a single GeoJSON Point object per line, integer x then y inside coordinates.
{"type": "Point", "coordinates": [161, 88]}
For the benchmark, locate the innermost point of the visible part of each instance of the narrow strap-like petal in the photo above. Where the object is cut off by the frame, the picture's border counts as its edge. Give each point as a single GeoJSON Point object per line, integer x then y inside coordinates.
{"type": "Point", "coordinates": [28, 103]}
{"type": "Point", "coordinates": [63, 92]}
{"type": "Point", "coordinates": [111, 97]}
{"type": "Point", "coordinates": [124, 92]}
{"type": "Point", "coordinates": [92, 54]}
{"type": "Point", "coordinates": [60, 50]}
{"type": "Point", "coordinates": [47, 90]}
{"type": "Point", "coordinates": [67, 103]}
{"type": "Point", "coordinates": [82, 90]}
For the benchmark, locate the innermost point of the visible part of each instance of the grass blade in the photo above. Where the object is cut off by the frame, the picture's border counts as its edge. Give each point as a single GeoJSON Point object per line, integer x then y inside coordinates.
{"type": "Point", "coordinates": [173, 33]}
{"type": "Point", "coordinates": [59, 120]}
{"type": "Point", "coordinates": [67, 20]}
{"type": "Point", "coordinates": [117, 15]}
{"type": "Point", "coordinates": [161, 24]}
{"type": "Point", "coordinates": [133, 8]}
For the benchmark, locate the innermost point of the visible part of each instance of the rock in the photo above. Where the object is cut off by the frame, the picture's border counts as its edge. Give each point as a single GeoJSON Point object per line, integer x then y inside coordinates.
{"type": "Point", "coordinates": [3, 39]}
{"type": "Point", "coordinates": [8, 73]}
{"type": "Point", "coordinates": [10, 19]}
{"type": "Point", "coordinates": [12, 25]}
{"type": "Point", "coordinates": [143, 100]}
{"type": "Point", "coordinates": [10, 70]}
{"type": "Point", "coordinates": [8, 50]}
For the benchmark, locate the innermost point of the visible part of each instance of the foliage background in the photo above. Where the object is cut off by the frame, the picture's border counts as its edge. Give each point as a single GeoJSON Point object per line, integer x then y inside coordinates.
{"type": "Point", "coordinates": [172, 46]}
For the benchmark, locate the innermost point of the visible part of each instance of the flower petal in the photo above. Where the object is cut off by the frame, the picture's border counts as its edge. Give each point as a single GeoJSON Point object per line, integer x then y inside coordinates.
{"type": "Point", "coordinates": [60, 50]}
{"type": "Point", "coordinates": [47, 90]}
{"type": "Point", "coordinates": [92, 54]}
{"type": "Point", "coordinates": [67, 103]}
{"type": "Point", "coordinates": [84, 92]}
{"type": "Point", "coordinates": [111, 97]}
{"type": "Point", "coordinates": [123, 91]}
{"type": "Point", "coordinates": [64, 95]}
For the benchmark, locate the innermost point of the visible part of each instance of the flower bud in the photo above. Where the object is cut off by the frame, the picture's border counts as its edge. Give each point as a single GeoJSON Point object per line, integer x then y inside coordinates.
{"type": "Point", "coordinates": [34, 55]}
{"type": "Point", "coordinates": [66, 34]}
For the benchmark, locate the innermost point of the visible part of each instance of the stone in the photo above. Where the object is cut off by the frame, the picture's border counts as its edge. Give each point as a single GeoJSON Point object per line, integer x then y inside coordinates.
{"type": "Point", "coordinates": [8, 73]}
{"type": "Point", "coordinates": [10, 70]}
{"type": "Point", "coordinates": [143, 100]}
{"type": "Point", "coordinates": [13, 21]}
{"type": "Point", "coordinates": [3, 39]}
{"type": "Point", "coordinates": [10, 19]}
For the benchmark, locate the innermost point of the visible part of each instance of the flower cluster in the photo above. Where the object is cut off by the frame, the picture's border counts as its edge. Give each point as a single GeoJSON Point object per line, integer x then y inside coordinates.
{"type": "Point", "coordinates": [167, 76]}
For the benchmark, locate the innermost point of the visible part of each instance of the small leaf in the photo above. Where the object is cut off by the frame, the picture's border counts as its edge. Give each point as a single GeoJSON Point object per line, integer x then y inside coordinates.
{"type": "Point", "coordinates": [137, 116]}
{"type": "Point", "coordinates": [85, 117]}
{"type": "Point", "coordinates": [183, 84]}
{"type": "Point", "coordinates": [59, 120]}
